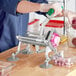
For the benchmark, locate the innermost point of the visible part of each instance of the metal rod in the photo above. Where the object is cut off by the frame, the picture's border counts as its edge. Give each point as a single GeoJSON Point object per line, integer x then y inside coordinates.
{"type": "Point", "coordinates": [31, 41]}
{"type": "Point", "coordinates": [30, 38]}
{"type": "Point", "coordinates": [64, 18]}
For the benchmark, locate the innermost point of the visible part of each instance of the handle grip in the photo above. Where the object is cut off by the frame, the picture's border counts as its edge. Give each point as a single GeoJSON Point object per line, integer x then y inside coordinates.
{"type": "Point", "coordinates": [51, 11]}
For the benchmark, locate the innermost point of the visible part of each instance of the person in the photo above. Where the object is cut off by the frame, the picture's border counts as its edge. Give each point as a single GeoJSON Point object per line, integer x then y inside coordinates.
{"type": "Point", "coordinates": [14, 16]}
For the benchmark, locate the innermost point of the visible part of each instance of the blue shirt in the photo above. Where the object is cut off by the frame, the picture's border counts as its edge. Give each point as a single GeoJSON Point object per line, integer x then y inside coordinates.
{"type": "Point", "coordinates": [11, 23]}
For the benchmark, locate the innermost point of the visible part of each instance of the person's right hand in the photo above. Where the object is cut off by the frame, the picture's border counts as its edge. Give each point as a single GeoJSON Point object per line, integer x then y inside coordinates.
{"type": "Point", "coordinates": [56, 6]}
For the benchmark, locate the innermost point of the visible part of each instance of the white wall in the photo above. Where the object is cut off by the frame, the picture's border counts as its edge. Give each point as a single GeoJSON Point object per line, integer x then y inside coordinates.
{"type": "Point", "coordinates": [71, 5]}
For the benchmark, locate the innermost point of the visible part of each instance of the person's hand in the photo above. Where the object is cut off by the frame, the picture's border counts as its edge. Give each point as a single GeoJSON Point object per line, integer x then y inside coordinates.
{"type": "Point", "coordinates": [56, 6]}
